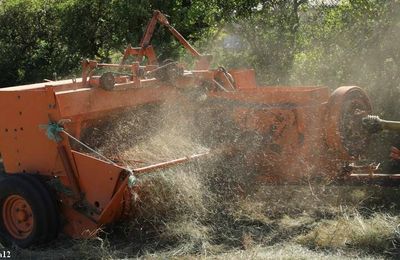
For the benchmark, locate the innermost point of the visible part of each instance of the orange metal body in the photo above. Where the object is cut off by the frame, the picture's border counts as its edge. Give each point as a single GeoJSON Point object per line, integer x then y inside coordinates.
{"type": "Point", "coordinates": [292, 120]}
{"type": "Point", "coordinates": [26, 148]}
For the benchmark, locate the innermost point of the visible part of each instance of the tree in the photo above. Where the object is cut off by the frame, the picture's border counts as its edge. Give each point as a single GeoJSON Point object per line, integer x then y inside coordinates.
{"type": "Point", "coordinates": [30, 49]}
{"type": "Point", "coordinates": [40, 37]}
{"type": "Point", "coordinates": [266, 37]}
{"type": "Point", "coordinates": [352, 43]}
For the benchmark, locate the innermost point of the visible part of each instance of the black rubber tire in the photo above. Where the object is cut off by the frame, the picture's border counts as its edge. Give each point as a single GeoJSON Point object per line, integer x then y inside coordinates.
{"type": "Point", "coordinates": [53, 217]}
{"type": "Point", "coordinates": [33, 193]}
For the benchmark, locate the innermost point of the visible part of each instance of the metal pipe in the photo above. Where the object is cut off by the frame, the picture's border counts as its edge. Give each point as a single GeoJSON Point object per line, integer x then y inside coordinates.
{"type": "Point", "coordinates": [74, 184]}
{"type": "Point", "coordinates": [184, 42]}
{"type": "Point", "coordinates": [374, 124]}
{"type": "Point", "coordinates": [390, 125]}
{"type": "Point", "coordinates": [162, 165]}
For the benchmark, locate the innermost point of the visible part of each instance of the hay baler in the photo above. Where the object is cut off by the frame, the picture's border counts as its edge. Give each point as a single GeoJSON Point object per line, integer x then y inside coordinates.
{"type": "Point", "coordinates": [49, 186]}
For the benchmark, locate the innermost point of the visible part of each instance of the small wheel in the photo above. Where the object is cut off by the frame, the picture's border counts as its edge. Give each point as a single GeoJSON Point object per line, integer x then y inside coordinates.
{"type": "Point", "coordinates": [26, 211]}
{"type": "Point", "coordinates": [107, 81]}
{"type": "Point", "coordinates": [344, 130]}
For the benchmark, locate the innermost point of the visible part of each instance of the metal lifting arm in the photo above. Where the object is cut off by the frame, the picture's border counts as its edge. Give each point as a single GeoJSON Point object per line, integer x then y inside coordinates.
{"type": "Point", "coordinates": [159, 17]}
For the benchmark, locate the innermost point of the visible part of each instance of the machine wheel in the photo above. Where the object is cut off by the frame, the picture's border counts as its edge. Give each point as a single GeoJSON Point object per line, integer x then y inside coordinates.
{"type": "Point", "coordinates": [107, 81]}
{"type": "Point", "coordinates": [345, 133]}
{"type": "Point", "coordinates": [28, 214]}
{"type": "Point", "coordinates": [49, 198]}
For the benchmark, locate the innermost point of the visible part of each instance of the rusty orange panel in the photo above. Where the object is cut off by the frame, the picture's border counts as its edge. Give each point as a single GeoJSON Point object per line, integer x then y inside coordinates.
{"type": "Point", "coordinates": [114, 209]}
{"type": "Point", "coordinates": [97, 179]}
{"type": "Point", "coordinates": [87, 101]}
{"type": "Point", "coordinates": [278, 95]}
{"type": "Point", "coordinates": [244, 79]}
{"type": "Point", "coordinates": [23, 143]}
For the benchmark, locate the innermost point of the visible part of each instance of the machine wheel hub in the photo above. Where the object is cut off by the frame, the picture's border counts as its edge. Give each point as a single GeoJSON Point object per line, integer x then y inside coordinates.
{"type": "Point", "coordinates": [18, 217]}
{"type": "Point", "coordinates": [345, 133]}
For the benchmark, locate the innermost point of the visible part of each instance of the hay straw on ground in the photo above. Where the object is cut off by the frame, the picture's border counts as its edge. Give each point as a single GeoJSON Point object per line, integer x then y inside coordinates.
{"type": "Point", "coordinates": [201, 208]}
{"type": "Point", "coordinates": [374, 234]}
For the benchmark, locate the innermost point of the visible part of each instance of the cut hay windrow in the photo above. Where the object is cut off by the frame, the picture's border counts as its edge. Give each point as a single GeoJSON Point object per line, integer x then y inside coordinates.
{"type": "Point", "coordinates": [207, 205]}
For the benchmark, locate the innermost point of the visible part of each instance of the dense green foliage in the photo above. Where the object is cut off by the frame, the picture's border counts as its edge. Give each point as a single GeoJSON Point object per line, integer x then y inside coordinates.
{"type": "Point", "coordinates": [41, 37]}
{"type": "Point", "coordinates": [353, 44]}
{"type": "Point", "coordinates": [288, 42]}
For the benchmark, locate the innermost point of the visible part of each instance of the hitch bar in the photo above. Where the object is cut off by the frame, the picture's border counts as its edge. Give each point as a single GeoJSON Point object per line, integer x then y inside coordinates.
{"type": "Point", "coordinates": [150, 168]}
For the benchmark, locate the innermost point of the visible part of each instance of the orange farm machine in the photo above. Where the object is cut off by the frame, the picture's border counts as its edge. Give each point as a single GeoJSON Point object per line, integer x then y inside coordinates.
{"type": "Point", "coordinates": [49, 187]}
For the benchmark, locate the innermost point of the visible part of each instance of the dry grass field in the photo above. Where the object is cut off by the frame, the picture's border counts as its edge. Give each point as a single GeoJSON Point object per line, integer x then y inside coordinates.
{"type": "Point", "coordinates": [213, 208]}
{"type": "Point", "coordinates": [185, 220]}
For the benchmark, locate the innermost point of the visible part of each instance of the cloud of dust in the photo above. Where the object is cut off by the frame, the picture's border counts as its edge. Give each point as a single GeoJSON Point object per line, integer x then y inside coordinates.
{"type": "Point", "coordinates": [218, 202]}
{"type": "Point", "coordinates": [363, 52]}
{"type": "Point", "coordinates": [336, 45]}
{"type": "Point", "coordinates": [191, 202]}
{"type": "Point", "coordinates": [190, 193]}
